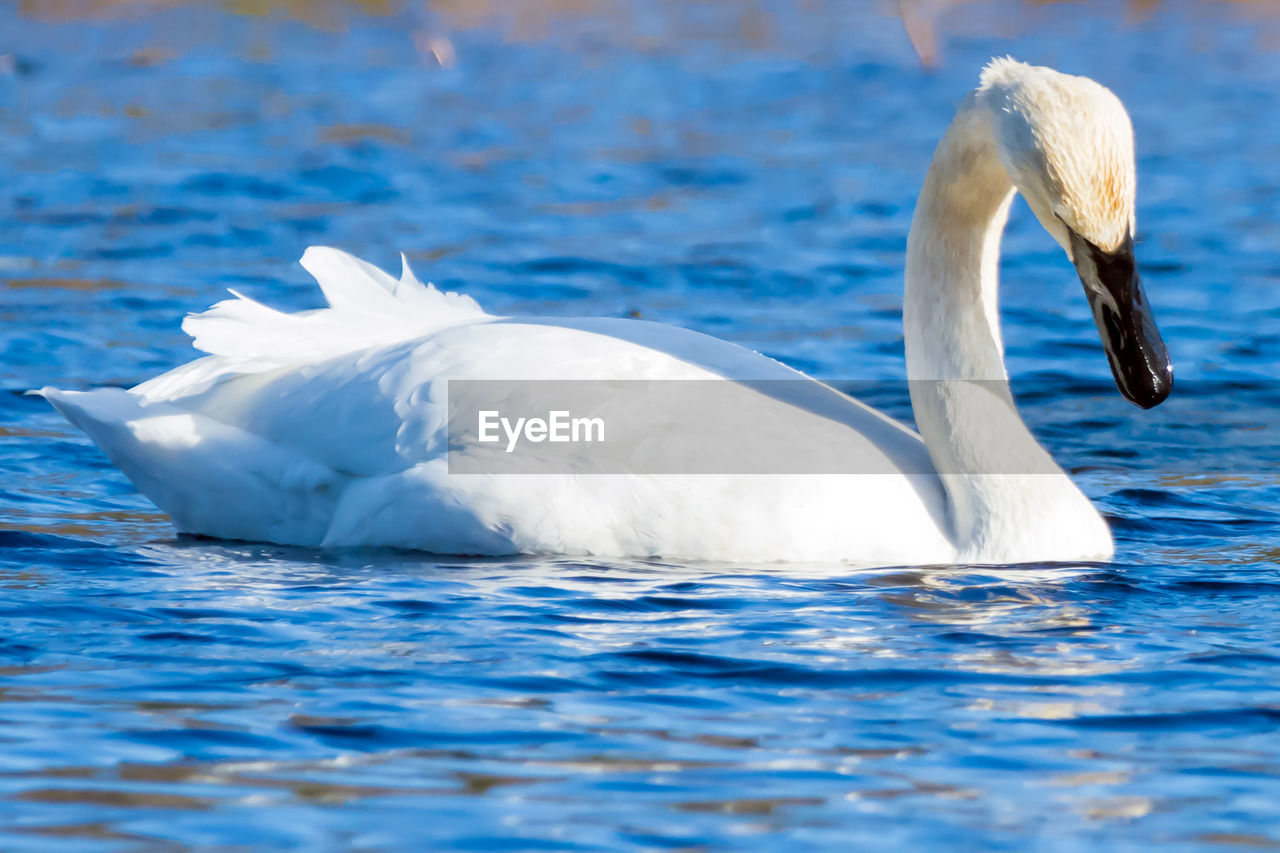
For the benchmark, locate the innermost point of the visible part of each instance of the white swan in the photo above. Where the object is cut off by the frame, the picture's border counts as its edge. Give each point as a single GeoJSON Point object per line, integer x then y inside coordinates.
{"type": "Point", "coordinates": [330, 427]}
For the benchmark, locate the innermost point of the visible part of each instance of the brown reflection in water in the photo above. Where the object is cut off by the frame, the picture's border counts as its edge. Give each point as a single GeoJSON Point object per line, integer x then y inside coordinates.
{"type": "Point", "coordinates": [343, 133]}
{"type": "Point", "coordinates": [94, 831]}
{"type": "Point", "coordinates": [1077, 780]}
{"type": "Point", "coordinates": [750, 25]}
{"type": "Point", "coordinates": [89, 284]}
{"type": "Point", "coordinates": [1240, 839]}
{"type": "Point", "coordinates": [718, 741]}
{"type": "Point", "coordinates": [748, 806]}
{"type": "Point", "coordinates": [320, 14]}
{"type": "Point", "coordinates": [929, 23]}
{"type": "Point", "coordinates": [116, 799]}
{"type": "Point", "coordinates": [915, 788]}
{"type": "Point", "coordinates": [479, 784]}
{"type": "Point", "coordinates": [26, 432]}
{"type": "Point", "coordinates": [85, 525]}
{"type": "Point", "coordinates": [926, 596]}
{"type": "Point", "coordinates": [1116, 808]}
{"type": "Point", "coordinates": [296, 780]}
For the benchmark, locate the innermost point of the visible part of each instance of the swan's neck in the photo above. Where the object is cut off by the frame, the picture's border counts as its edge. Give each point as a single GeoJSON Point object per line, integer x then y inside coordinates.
{"type": "Point", "coordinates": [955, 357]}
{"type": "Point", "coordinates": [953, 255]}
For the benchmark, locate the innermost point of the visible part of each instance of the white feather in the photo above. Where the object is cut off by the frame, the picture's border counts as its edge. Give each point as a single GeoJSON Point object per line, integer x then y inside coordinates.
{"type": "Point", "coordinates": [366, 307]}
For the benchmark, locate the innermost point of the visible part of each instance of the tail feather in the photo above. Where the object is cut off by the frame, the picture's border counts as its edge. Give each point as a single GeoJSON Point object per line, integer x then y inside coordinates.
{"type": "Point", "coordinates": [208, 476]}
{"type": "Point", "coordinates": [350, 284]}
{"type": "Point", "coordinates": [367, 307]}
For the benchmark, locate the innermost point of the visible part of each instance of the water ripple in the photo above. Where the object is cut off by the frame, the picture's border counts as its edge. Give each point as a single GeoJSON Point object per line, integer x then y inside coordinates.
{"type": "Point", "coordinates": [742, 169]}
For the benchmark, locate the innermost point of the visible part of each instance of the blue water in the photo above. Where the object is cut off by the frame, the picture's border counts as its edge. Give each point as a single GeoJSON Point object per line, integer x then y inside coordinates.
{"type": "Point", "coordinates": [743, 169]}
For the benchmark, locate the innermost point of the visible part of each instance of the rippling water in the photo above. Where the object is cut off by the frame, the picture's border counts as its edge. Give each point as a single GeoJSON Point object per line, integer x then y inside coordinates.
{"type": "Point", "coordinates": [746, 170]}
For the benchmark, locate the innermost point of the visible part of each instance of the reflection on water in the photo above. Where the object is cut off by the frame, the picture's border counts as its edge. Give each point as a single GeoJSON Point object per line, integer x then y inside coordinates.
{"type": "Point", "coordinates": [746, 169]}
{"type": "Point", "coordinates": [703, 700]}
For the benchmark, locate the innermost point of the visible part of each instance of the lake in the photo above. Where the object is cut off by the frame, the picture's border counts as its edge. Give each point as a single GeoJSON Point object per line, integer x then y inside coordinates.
{"type": "Point", "coordinates": [748, 170]}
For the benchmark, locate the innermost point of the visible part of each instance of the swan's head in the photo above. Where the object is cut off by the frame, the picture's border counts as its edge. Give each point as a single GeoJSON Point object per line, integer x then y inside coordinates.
{"type": "Point", "coordinates": [1067, 144]}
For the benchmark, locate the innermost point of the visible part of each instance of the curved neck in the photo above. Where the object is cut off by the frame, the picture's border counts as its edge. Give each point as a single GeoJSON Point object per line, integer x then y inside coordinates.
{"type": "Point", "coordinates": [955, 357]}
{"type": "Point", "coordinates": [950, 307]}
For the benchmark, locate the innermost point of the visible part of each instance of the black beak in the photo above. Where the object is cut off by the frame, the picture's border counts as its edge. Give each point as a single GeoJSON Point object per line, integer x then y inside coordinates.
{"type": "Point", "coordinates": [1139, 361]}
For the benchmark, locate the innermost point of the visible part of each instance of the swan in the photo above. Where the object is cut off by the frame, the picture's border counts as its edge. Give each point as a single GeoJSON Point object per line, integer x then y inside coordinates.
{"type": "Point", "coordinates": [331, 428]}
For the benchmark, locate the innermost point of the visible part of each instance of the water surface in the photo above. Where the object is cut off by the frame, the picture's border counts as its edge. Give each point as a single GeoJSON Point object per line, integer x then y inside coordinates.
{"type": "Point", "coordinates": [745, 170]}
